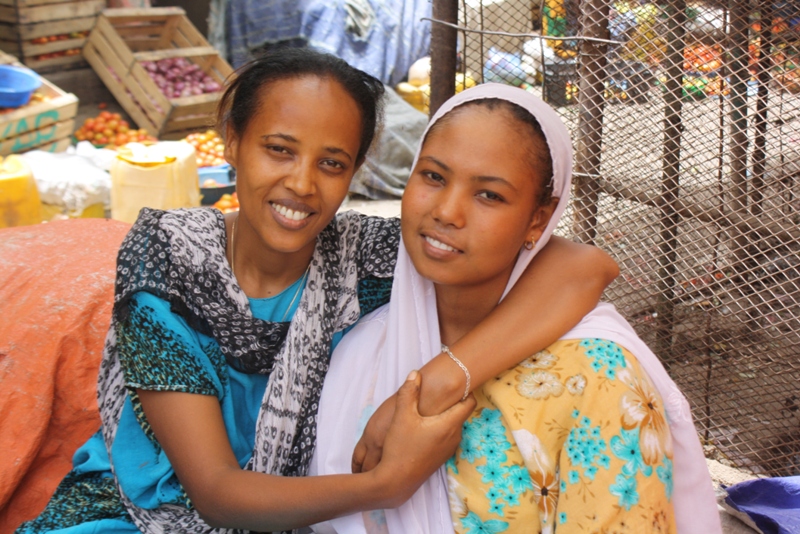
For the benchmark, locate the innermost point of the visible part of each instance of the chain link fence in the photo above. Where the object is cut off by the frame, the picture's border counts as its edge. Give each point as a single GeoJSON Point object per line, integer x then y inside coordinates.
{"type": "Point", "coordinates": [685, 119]}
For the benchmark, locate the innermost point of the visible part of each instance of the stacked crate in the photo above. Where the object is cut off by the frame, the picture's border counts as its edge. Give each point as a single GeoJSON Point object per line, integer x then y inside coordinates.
{"type": "Point", "coordinates": [47, 35]}
{"type": "Point", "coordinates": [45, 124]}
{"type": "Point", "coordinates": [123, 38]}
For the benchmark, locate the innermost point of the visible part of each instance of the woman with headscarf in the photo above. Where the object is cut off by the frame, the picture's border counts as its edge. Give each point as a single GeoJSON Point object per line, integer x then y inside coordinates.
{"type": "Point", "coordinates": [589, 435]}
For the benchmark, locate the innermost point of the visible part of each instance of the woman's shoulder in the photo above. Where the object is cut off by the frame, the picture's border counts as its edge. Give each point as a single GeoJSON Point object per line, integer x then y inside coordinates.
{"type": "Point", "coordinates": [154, 218]}
{"type": "Point", "coordinates": [158, 236]}
{"type": "Point", "coordinates": [367, 225]}
{"type": "Point", "coordinates": [153, 313]}
{"type": "Point", "coordinates": [587, 371]}
{"type": "Point", "coordinates": [604, 363]}
{"type": "Point", "coordinates": [158, 350]}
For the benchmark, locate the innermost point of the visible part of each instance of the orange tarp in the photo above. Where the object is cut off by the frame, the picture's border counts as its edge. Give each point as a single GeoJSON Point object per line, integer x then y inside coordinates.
{"type": "Point", "coordinates": [56, 292]}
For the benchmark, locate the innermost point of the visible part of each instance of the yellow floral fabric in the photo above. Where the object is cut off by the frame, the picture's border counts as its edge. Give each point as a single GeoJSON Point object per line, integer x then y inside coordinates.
{"type": "Point", "coordinates": [574, 439]}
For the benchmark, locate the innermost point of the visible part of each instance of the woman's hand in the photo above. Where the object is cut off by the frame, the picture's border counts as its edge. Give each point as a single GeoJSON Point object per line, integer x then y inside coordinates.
{"type": "Point", "coordinates": [416, 446]}
{"type": "Point", "coordinates": [562, 283]}
{"type": "Point", "coordinates": [192, 432]}
{"type": "Point", "coordinates": [369, 448]}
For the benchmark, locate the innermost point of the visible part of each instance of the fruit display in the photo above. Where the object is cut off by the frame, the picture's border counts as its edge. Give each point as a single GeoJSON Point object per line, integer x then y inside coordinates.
{"type": "Point", "coordinates": [702, 58]}
{"type": "Point", "coordinates": [227, 203]}
{"type": "Point", "coordinates": [110, 130]}
{"type": "Point", "coordinates": [60, 37]}
{"type": "Point", "coordinates": [208, 147]}
{"type": "Point", "coordinates": [178, 77]}
{"type": "Point", "coordinates": [60, 53]}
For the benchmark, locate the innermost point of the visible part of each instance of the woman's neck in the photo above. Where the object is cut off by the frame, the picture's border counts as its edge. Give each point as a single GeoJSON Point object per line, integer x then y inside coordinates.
{"type": "Point", "coordinates": [460, 308]}
{"type": "Point", "coordinates": [260, 271]}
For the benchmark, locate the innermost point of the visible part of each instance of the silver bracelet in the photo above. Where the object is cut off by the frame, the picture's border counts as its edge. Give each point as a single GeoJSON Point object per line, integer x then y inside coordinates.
{"type": "Point", "coordinates": [447, 351]}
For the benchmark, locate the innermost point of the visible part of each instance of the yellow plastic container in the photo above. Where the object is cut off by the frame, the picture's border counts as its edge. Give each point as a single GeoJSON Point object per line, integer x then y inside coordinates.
{"type": "Point", "coordinates": [19, 197]}
{"type": "Point", "coordinates": [162, 176]}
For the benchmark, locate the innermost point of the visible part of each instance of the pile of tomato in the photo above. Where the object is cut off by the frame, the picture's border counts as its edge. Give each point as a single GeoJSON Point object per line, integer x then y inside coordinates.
{"type": "Point", "coordinates": [209, 148]}
{"type": "Point", "coordinates": [60, 37]}
{"type": "Point", "coordinates": [61, 53]}
{"type": "Point", "coordinates": [110, 129]}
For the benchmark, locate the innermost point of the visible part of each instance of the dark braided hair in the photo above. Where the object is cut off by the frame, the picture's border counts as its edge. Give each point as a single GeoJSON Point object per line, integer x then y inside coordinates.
{"type": "Point", "coordinates": [539, 151]}
{"type": "Point", "coordinates": [240, 100]}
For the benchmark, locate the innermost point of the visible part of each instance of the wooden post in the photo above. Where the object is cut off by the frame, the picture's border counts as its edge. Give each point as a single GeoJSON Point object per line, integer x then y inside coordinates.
{"type": "Point", "coordinates": [670, 175]}
{"type": "Point", "coordinates": [591, 104]}
{"type": "Point", "coordinates": [443, 53]}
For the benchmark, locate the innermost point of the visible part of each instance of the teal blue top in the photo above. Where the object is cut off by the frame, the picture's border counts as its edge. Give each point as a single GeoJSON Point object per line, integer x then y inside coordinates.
{"type": "Point", "coordinates": [160, 352]}
{"type": "Point", "coordinates": [189, 362]}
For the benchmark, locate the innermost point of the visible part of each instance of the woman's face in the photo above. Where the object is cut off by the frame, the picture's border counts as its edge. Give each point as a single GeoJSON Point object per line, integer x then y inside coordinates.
{"type": "Point", "coordinates": [295, 160]}
{"type": "Point", "coordinates": [470, 203]}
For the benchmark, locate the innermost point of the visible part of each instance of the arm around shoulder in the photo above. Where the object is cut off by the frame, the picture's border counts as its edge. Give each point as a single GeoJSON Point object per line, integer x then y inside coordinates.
{"type": "Point", "coordinates": [191, 430]}
{"type": "Point", "coordinates": [563, 283]}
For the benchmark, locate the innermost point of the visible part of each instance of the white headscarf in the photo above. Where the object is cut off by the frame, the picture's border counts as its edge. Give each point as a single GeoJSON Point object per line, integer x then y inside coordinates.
{"type": "Point", "coordinates": [374, 359]}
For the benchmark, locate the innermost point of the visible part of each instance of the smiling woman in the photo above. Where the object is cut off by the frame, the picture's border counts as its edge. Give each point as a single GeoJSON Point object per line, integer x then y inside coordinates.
{"type": "Point", "coordinates": [575, 438]}
{"type": "Point", "coordinates": [437, 205]}
{"type": "Point", "coordinates": [223, 326]}
{"type": "Point", "coordinates": [292, 176]}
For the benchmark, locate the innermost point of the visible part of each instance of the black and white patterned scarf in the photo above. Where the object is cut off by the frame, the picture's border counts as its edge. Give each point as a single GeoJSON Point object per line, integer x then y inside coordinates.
{"type": "Point", "coordinates": [179, 256]}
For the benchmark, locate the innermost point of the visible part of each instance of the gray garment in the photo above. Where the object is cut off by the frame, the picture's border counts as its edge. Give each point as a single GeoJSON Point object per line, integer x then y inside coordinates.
{"type": "Point", "coordinates": [388, 164]}
{"type": "Point", "coordinates": [360, 17]}
{"type": "Point", "coordinates": [216, 26]}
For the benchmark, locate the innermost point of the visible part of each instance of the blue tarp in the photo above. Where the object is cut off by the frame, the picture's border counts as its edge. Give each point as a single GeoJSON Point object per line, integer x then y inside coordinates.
{"type": "Point", "coordinates": [380, 37]}
{"type": "Point", "coordinates": [772, 503]}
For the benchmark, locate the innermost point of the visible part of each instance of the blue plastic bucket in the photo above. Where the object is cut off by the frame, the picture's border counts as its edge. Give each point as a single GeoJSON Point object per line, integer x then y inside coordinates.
{"type": "Point", "coordinates": [17, 84]}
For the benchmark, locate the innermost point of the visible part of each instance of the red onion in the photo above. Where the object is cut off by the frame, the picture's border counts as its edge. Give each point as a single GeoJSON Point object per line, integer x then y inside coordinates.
{"type": "Point", "coordinates": [178, 77]}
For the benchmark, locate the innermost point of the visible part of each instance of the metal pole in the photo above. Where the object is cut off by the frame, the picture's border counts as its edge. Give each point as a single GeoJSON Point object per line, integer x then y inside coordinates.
{"type": "Point", "coordinates": [738, 101]}
{"type": "Point", "coordinates": [670, 175]}
{"type": "Point", "coordinates": [443, 53]}
{"type": "Point", "coordinates": [591, 104]}
{"type": "Point", "coordinates": [760, 140]}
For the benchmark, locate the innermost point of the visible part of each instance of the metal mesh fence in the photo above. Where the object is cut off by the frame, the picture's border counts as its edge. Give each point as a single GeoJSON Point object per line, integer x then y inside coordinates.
{"type": "Point", "coordinates": [686, 125]}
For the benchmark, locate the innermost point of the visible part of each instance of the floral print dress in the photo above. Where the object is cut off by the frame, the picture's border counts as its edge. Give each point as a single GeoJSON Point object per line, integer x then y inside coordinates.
{"type": "Point", "coordinates": [573, 439]}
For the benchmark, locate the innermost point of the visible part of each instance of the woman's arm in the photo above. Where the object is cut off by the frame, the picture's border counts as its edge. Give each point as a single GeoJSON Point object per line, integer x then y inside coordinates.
{"type": "Point", "coordinates": [563, 283]}
{"type": "Point", "coordinates": [191, 430]}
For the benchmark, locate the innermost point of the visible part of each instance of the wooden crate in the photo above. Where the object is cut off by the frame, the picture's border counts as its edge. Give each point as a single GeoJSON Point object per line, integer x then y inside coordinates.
{"type": "Point", "coordinates": [24, 23]}
{"type": "Point", "coordinates": [122, 38]}
{"type": "Point", "coordinates": [42, 126]}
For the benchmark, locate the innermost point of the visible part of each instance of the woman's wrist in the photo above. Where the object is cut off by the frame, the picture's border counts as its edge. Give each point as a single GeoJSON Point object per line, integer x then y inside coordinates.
{"type": "Point", "coordinates": [443, 384]}
{"type": "Point", "coordinates": [384, 488]}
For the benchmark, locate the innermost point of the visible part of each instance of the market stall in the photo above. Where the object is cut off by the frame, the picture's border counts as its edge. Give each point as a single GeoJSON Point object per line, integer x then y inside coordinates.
{"type": "Point", "coordinates": [165, 81]}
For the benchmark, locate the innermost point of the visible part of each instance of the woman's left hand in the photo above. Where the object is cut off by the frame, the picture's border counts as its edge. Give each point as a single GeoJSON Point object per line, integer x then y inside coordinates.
{"type": "Point", "coordinates": [369, 448]}
{"type": "Point", "coordinates": [442, 387]}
